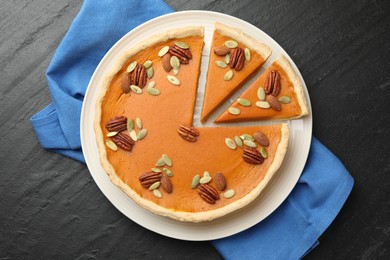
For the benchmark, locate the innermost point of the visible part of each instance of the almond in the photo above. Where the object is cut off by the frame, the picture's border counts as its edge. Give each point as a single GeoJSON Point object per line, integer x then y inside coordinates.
{"type": "Point", "coordinates": [261, 139]}
{"type": "Point", "coordinates": [166, 183]}
{"type": "Point", "coordinates": [274, 103]}
{"type": "Point", "coordinates": [221, 50]}
{"type": "Point", "coordinates": [126, 82]}
{"type": "Point", "coordinates": [166, 62]}
{"type": "Point", "coordinates": [220, 181]}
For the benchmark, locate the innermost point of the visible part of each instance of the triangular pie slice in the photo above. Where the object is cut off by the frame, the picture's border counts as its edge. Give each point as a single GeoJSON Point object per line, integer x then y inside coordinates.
{"type": "Point", "coordinates": [243, 62]}
{"type": "Point", "coordinates": [150, 150]}
{"type": "Point", "coordinates": [276, 94]}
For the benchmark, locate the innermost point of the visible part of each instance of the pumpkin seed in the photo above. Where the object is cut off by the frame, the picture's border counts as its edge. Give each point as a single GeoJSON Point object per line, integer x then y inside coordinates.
{"type": "Point", "coordinates": [238, 141]}
{"type": "Point", "coordinates": [155, 185]}
{"type": "Point", "coordinates": [231, 44]}
{"type": "Point", "coordinates": [261, 94]}
{"type": "Point", "coordinates": [247, 137]}
{"type": "Point", "coordinates": [247, 53]}
{"type": "Point", "coordinates": [182, 45]}
{"type": "Point", "coordinates": [136, 89]}
{"type": "Point", "coordinates": [264, 152]}
{"type": "Point", "coordinates": [205, 179]}
{"type": "Point", "coordinates": [131, 67]}
{"type": "Point", "coordinates": [230, 143]}
{"type": "Point", "coordinates": [148, 64]}
{"type": "Point", "coordinates": [244, 102]}
{"type": "Point", "coordinates": [141, 134]}
{"type": "Point", "coordinates": [227, 58]}
{"type": "Point", "coordinates": [250, 143]}
{"type": "Point", "coordinates": [175, 63]}
{"type": "Point", "coordinates": [111, 134]}
{"type": "Point", "coordinates": [153, 91]}
{"type": "Point", "coordinates": [175, 81]}
{"type": "Point", "coordinates": [263, 104]}
{"type": "Point", "coordinates": [160, 162]}
{"type": "Point", "coordinates": [195, 181]}
{"type": "Point", "coordinates": [157, 193]}
{"type": "Point", "coordinates": [285, 100]}
{"type": "Point", "coordinates": [175, 71]}
{"type": "Point", "coordinates": [220, 64]}
{"type": "Point", "coordinates": [111, 145]}
{"type": "Point", "coordinates": [206, 173]}
{"type": "Point", "coordinates": [228, 75]}
{"type": "Point", "coordinates": [133, 135]}
{"type": "Point", "coordinates": [163, 51]}
{"type": "Point", "coordinates": [152, 84]}
{"type": "Point", "coordinates": [130, 125]}
{"type": "Point", "coordinates": [156, 170]}
{"type": "Point", "coordinates": [150, 72]}
{"type": "Point", "coordinates": [166, 159]}
{"type": "Point", "coordinates": [168, 172]}
{"type": "Point", "coordinates": [229, 194]}
{"type": "Point", "coordinates": [138, 122]}
{"type": "Point", "coordinates": [234, 110]}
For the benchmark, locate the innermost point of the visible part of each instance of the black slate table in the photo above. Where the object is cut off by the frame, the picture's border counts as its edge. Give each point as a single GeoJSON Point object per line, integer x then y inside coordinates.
{"type": "Point", "coordinates": [50, 206]}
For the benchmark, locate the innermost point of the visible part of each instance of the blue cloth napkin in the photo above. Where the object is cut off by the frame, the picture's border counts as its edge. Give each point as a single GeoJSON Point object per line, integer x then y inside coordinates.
{"type": "Point", "coordinates": [288, 233]}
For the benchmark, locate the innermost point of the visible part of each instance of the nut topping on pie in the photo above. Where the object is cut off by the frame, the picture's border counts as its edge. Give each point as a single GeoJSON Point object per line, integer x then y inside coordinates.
{"type": "Point", "coordinates": [221, 50]}
{"type": "Point", "coordinates": [272, 83]}
{"type": "Point", "coordinates": [148, 178]}
{"type": "Point", "coordinates": [208, 193]}
{"type": "Point", "coordinates": [184, 55]}
{"type": "Point", "coordinates": [188, 133]}
{"type": "Point", "coordinates": [252, 156]}
{"type": "Point", "coordinates": [124, 141]}
{"type": "Point", "coordinates": [139, 77]}
{"type": "Point", "coordinates": [117, 124]}
{"type": "Point", "coordinates": [237, 59]}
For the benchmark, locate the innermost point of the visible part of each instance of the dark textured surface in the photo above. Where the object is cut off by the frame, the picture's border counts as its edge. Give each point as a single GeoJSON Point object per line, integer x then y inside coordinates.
{"type": "Point", "coordinates": [51, 207]}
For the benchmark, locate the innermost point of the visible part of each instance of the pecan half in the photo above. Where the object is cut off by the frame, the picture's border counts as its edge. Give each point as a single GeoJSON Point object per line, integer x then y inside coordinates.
{"type": "Point", "coordinates": [184, 55]}
{"type": "Point", "coordinates": [139, 77]}
{"type": "Point", "coordinates": [208, 193]}
{"type": "Point", "coordinates": [148, 178]}
{"type": "Point", "coordinates": [124, 141]}
{"type": "Point", "coordinates": [237, 59]}
{"type": "Point", "coordinates": [220, 181]}
{"type": "Point", "coordinates": [261, 138]}
{"type": "Point", "coordinates": [126, 82]}
{"type": "Point", "coordinates": [272, 83]}
{"type": "Point", "coordinates": [117, 124]}
{"type": "Point", "coordinates": [274, 103]}
{"type": "Point", "coordinates": [221, 50]}
{"type": "Point", "coordinates": [252, 156]}
{"type": "Point", "coordinates": [166, 183]}
{"type": "Point", "coordinates": [188, 133]}
{"type": "Point", "coordinates": [166, 62]}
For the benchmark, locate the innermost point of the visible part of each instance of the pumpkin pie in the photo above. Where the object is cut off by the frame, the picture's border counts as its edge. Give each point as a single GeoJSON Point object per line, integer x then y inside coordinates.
{"type": "Point", "coordinates": [150, 149]}
{"type": "Point", "coordinates": [276, 94]}
{"type": "Point", "coordinates": [234, 58]}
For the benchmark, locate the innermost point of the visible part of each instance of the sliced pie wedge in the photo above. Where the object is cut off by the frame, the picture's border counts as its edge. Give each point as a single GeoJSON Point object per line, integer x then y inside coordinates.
{"type": "Point", "coordinates": [276, 94]}
{"type": "Point", "coordinates": [244, 54]}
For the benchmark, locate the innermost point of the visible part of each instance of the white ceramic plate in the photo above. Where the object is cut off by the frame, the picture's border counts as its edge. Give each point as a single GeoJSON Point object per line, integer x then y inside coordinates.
{"type": "Point", "coordinates": [275, 193]}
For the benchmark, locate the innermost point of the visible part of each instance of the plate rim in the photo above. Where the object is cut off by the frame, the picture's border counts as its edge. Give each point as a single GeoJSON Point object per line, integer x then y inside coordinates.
{"type": "Point", "coordinates": [118, 204]}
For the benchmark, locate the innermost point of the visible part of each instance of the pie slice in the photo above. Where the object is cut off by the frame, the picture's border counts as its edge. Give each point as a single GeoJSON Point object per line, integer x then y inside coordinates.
{"type": "Point", "coordinates": [151, 151]}
{"type": "Point", "coordinates": [276, 94]}
{"type": "Point", "coordinates": [244, 56]}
